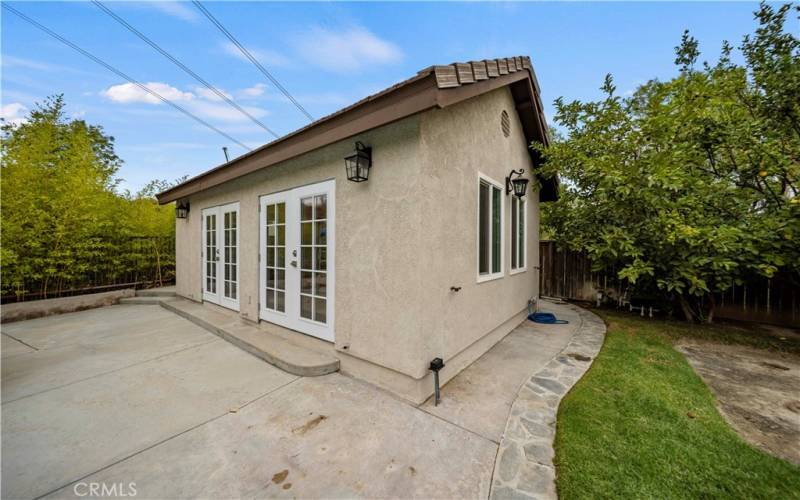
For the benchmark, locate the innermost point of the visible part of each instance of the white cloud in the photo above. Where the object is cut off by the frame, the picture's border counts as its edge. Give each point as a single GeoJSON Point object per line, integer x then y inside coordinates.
{"type": "Point", "coordinates": [255, 91]}
{"type": "Point", "coordinates": [266, 57]}
{"type": "Point", "coordinates": [13, 113]}
{"type": "Point", "coordinates": [20, 62]}
{"type": "Point", "coordinates": [202, 102]}
{"type": "Point", "coordinates": [176, 9]}
{"type": "Point", "coordinates": [347, 50]}
{"type": "Point", "coordinates": [210, 94]}
{"type": "Point", "coordinates": [128, 93]}
{"type": "Point", "coordinates": [224, 112]}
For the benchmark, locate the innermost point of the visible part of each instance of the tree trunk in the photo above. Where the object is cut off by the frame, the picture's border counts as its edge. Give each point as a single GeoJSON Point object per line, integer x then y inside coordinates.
{"type": "Point", "coordinates": [688, 314]}
{"type": "Point", "coordinates": [712, 304]}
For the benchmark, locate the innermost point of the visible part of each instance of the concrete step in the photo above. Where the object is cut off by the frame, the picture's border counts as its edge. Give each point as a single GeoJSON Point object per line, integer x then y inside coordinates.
{"type": "Point", "coordinates": [271, 348]}
{"type": "Point", "coordinates": [153, 301]}
{"type": "Point", "coordinates": [165, 291]}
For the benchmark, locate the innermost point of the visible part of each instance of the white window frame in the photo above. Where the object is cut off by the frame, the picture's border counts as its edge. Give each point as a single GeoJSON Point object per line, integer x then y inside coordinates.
{"type": "Point", "coordinates": [482, 278]}
{"type": "Point", "coordinates": [518, 269]}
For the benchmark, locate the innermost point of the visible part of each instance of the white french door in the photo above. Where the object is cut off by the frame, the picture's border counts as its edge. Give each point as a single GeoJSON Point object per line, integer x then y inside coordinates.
{"type": "Point", "coordinates": [296, 254]}
{"type": "Point", "coordinates": [220, 255]}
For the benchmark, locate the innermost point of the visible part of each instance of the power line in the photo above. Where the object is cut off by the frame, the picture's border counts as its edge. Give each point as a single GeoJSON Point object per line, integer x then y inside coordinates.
{"type": "Point", "coordinates": [251, 58]}
{"type": "Point", "coordinates": [182, 66]}
{"type": "Point", "coordinates": [120, 73]}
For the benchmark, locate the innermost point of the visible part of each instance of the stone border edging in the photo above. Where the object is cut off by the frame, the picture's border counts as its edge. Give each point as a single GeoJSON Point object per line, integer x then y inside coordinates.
{"type": "Point", "coordinates": [524, 465]}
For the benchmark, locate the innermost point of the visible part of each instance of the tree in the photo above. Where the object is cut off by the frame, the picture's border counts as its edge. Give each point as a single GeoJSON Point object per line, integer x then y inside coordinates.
{"type": "Point", "coordinates": [690, 185]}
{"type": "Point", "coordinates": [61, 215]}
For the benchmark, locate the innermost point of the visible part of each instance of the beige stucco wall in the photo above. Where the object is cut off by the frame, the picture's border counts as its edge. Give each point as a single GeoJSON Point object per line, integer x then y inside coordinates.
{"type": "Point", "coordinates": [377, 237]}
{"type": "Point", "coordinates": [402, 239]}
{"type": "Point", "coordinates": [456, 143]}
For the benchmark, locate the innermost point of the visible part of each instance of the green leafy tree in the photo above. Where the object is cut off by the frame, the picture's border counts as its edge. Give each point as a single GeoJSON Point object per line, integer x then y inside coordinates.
{"type": "Point", "coordinates": [62, 218]}
{"type": "Point", "coordinates": [689, 185]}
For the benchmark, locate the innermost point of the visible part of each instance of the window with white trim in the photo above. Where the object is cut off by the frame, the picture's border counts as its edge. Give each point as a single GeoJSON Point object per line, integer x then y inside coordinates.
{"type": "Point", "coordinates": [518, 232]}
{"type": "Point", "coordinates": [490, 229]}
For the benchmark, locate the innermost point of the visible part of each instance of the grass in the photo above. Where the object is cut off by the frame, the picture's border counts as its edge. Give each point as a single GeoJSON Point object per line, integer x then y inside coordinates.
{"type": "Point", "coordinates": [642, 424]}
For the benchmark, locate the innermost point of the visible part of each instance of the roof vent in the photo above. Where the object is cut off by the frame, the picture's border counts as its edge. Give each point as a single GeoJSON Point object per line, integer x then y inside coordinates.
{"type": "Point", "coordinates": [505, 123]}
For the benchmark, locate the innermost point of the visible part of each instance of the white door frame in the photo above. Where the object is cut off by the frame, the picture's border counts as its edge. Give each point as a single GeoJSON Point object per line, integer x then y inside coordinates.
{"type": "Point", "coordinates": [291, 317]}
{"type": "Point", "coordinates": [219, 295]}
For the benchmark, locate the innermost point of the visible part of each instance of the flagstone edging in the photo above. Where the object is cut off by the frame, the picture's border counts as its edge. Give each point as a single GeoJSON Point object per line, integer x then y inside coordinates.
{"type": "Point", "coordinates": [524, 465]}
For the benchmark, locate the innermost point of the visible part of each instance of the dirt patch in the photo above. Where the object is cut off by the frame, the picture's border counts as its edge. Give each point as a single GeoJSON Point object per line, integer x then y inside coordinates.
{"type": "Point", "coordinates": [311, 424]}
{"type": "Point", "coordinates": [757, 393]}
{"type": "Point", "coordinates": [280, 476]}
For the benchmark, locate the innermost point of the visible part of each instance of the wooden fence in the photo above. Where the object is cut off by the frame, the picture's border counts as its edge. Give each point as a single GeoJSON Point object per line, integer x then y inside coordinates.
{"type": "Point", "coordinates": [568, 274]}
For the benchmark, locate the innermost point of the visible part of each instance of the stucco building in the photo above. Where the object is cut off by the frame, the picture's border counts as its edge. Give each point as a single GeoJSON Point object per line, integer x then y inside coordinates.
{"type": "Point", "coordinates": [430, 257]}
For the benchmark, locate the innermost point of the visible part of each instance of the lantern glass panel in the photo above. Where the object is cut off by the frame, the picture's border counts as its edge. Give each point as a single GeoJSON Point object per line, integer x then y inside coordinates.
{"type": "Point", "coordinates": [520, 186]}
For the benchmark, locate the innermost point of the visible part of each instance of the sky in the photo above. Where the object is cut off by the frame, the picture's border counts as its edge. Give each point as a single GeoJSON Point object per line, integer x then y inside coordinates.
{"type": "Point", "coordinates": [327, 55]}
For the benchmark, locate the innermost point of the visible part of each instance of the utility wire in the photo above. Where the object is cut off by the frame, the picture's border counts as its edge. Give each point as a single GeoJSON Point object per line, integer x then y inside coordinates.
{"type": "Point", "coordinates": [251, 58]}
{"type": "Point", "coordinates": [120, 73]}
{"type": "Point", "coordinates": [182, 66]}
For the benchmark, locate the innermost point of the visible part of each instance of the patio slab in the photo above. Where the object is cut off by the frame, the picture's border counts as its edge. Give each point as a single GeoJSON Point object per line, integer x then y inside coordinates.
{"type": "Point", "coordinates": [57, 436]}
{"type": "Point", "coordinates": [321, 437]}
{"type": "Point", "coordinates": [480, 397]}
{"type": "Point", "coordinates": [151, 333]}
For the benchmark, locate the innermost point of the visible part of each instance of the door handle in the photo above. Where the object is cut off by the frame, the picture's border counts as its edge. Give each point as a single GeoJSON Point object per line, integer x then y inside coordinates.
{"type": "Point", "coordinates": [293, 263]}
{"type": "Point", "coordinates": [216, 255]}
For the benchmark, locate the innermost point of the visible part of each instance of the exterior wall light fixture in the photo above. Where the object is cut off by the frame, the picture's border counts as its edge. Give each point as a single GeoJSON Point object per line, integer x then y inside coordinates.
{"type": "Point", "coordinates": [359, 163]}
{"type": "Point", "coordinates": [517, 184]}
{"type": "Point", "coordinates": [182, 210]}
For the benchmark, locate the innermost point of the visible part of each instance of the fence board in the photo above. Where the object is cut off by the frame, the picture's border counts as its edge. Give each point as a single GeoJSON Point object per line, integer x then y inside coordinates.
{"type": "Point", "coordinates": [568, 274]}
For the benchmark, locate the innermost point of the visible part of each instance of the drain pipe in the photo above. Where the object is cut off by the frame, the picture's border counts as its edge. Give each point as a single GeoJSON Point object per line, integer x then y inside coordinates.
{"type": "Point", "coordinates": [436, 365]}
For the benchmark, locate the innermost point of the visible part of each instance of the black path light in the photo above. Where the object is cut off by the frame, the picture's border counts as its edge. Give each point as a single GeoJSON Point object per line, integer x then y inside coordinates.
{"type": "Point", "coordinates": [517, 184]}
{"type": "Point", "coordinates": [359, 163]}
{"type": "Point", "coordinates": [182, 210]}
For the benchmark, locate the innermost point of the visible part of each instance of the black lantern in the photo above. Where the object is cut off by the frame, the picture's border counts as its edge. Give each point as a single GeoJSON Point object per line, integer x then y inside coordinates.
{"type": "Point", "coordinates": [182, 210]}
{"type": "Point", "coordinates": [517, 184]}
{"type": "Point", "coordinates": [358, 164]}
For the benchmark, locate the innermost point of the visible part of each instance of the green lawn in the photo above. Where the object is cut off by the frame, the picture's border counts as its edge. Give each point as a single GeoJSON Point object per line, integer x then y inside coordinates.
{"type": "Point", "coordinates": [642, 424]}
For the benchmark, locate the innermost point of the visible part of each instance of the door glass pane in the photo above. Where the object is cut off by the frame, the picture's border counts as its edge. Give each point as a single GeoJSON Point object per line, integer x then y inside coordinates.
{"type": "Point", "coordinates": [280, 258]}
{"type": "Point", "coordinates": [319, 310]}
{"type": "Point", "coordinates": [230, 229]}
{"type": "Point", "coordinates": [319, 284]}
{"type": "Point", "coordinates": [305, 307]}
{"type": "Point", "coordinates": [270, 214]}
{"type": "Point", "coordinates": [280, 213]}
{"type": "Point", "coordinates": [211, 253]}
{"type": "Point", "coordinates": [305, 282]}
{"type": "Point", "coordinates": [280, 279]}
{"type": "Point", "coordinates": [306, 209]}
{"type": "Point", "coordinates": [320, 207]}
{"type": "Point", "coordinates": [276, 256]}
{"type": "Point", "coordinates": [280, 302]}
{"type": "Point", "coordinates": [320, 233]}
{"type": "Point", "coordinates": [305, 257]}
{"type": "Point", "coordinates": [305, 233]}
{"type": "Point", "coordinates": [483, 229]}
{"type": "Point", "coordinates": [320, 258]}
{"type": "Point", "coordinates": [496, 236]}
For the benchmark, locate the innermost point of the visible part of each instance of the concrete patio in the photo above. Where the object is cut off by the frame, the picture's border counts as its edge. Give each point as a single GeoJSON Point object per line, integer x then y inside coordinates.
{"type": "Point", "coordinates": [136, 394]}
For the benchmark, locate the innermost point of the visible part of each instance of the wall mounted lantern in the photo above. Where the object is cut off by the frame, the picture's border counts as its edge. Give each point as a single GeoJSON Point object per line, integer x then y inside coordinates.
{"type": "Point", "coordinates": [517, 184]}
{"type": "Point", "coordinates": [359, 163]}
{"type": "Point", "coordinates": [182, 210]}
